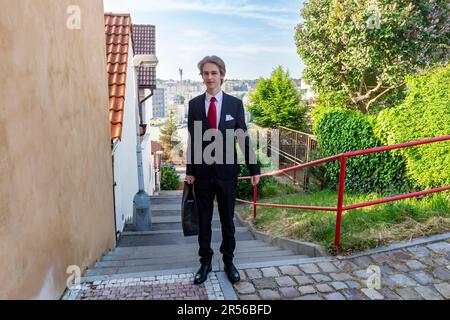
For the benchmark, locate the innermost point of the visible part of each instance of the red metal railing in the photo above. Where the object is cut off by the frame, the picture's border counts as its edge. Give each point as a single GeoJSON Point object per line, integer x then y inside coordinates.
{"type": "Point", "coordinates": [340, 204]}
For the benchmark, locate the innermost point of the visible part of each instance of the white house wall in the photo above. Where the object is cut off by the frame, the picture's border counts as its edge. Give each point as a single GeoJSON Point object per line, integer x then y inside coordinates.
{"type": "Point", "coordinates": [148, 107]}
{"type": "Point", "coordinates": [125, 160]}
{"type": "Point", "coordinates": [147, 163]}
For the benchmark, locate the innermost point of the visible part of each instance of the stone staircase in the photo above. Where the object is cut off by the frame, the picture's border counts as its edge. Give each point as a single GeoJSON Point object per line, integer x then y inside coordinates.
{"type": "Point", "coordinates": [165, 248]}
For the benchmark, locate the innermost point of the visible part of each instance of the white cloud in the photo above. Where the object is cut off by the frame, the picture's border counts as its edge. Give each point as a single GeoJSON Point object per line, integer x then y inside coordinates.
{"type": "Point", "coordinates": [251, 46]}
{"type": "Point", "coordinates": [277, 16]}
{"type": "Point", "coordinates": [196, 33]}
{"type": "Point", "coordinates": [216, 7]}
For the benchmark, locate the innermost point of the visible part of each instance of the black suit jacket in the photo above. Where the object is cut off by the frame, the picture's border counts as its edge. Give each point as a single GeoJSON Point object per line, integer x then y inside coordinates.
{"type": "Point", "coordinates": [224, 169]}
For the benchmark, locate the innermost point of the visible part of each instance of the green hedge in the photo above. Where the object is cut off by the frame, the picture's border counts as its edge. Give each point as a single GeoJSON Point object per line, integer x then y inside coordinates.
{"type": "Point", "coordinates": [341, 130]}
{"type": "Point", "coordinates": [244, 187]}
{"type": "Point", "coordinates": [425, 113]}
{"type": "Point", "coordinates": [170, 180]}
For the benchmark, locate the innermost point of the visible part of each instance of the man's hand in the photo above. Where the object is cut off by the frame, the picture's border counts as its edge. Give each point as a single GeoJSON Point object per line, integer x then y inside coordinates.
{"type": "Point", "coordinates": [255, 180]}
{"type": "Point", "coordinates": [190, 179]}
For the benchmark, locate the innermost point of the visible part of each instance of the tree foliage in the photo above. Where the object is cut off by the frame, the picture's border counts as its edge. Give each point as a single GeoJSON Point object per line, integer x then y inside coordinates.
{"type": "Point", "coordinates": [362, 50]}
{"type": "Point", "coordinates": [339, 131]}
{"type": "Point", "coordinates": [170, 180]}
{"type": "Point", "coordinates": [425, 113]}
{"type": "Point", "coordinates": [276, 102]}
{"type": "Point", "coordinates": [168, 135]}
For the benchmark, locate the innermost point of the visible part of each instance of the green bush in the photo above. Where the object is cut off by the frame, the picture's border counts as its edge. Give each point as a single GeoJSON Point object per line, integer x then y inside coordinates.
{"type": "Point", "coordinates": [267, 187]}
{"type": "Point", "coordinates": [425, 113]}
{"type": "Point", "coordinates": [325, 106]}
{"type": "Point", "coordinates": [169, 178]}
{"type": "Point", "coordinates": [245, 188]}
{"type": "Point", "coordinates": [276, 102]}
{"type": "Point", "coordinates": [339, 131]}
{"type": "Point", "coordinates": [317, 177]}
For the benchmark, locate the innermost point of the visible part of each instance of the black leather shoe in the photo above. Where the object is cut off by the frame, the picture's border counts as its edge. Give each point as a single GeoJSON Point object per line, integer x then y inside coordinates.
{"type": "Point", "coordinates": [202, 273]}
{"type": "Point", "coordinates": [232, 273]}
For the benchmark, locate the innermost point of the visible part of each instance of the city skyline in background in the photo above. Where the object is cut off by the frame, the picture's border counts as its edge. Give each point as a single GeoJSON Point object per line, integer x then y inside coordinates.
{"type": "Point", "coordinates": [253, 37]}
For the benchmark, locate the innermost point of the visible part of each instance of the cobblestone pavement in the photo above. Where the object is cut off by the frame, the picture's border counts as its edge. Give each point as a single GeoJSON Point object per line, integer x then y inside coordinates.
{"type": "Point", "coordinates": [418, 272]}
{"type": "Point", "coordinates": [170, 287]}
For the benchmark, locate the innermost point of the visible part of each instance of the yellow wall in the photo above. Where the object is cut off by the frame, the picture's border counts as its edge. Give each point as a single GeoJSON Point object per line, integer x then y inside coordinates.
{"type": "Point", "coordinates": [56, 201]}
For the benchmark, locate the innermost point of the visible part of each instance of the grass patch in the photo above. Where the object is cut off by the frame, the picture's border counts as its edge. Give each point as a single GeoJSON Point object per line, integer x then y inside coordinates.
{"type": "Point", "coordinates": [273, 188]}
{"type": "Point", "coordinates": [268, 187]}
{"type": "Point", "coordinates": [362, 228]}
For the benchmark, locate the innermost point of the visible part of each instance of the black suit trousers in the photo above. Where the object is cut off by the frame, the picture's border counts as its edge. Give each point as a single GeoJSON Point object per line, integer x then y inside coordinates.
{"type": "Point", "coordinates": [206, 189]}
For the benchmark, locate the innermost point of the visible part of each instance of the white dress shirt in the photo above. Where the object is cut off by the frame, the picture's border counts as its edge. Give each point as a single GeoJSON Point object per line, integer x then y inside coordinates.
{"type": "Point", "coordinates": [219, 98]}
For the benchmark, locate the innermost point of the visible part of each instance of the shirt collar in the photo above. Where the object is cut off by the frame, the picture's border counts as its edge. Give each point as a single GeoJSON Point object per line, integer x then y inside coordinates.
{"type": "Point", "coordinates": [218, 96]}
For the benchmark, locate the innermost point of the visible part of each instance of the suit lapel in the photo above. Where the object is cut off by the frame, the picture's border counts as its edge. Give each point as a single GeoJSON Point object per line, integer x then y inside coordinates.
{"type": "Point", "coordinates": [201, 105]}
{"type": "Point", "coordinates": [223, 111]}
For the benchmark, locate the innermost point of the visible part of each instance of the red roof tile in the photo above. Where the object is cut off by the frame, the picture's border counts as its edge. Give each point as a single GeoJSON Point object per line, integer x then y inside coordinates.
{"type": "Point", "coordinates": [117, 31]}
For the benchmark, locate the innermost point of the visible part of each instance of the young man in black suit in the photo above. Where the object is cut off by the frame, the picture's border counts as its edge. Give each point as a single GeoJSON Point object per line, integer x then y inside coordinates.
{"type": "Point", "coordinates": [215, 121]}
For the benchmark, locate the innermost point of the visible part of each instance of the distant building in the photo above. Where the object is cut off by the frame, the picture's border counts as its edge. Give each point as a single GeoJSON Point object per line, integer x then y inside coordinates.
{"type": "Point", "coordinates": [178, 99]}
{"type": "Point", "coordinates": [235, 85]}
{"type": "Point", "coordinates": [308, 93]}
{"type": "Point", "coordinates": [179, 111]}
{"type": "Point", "coordinates": [160, 103]}
{"type": "Point", "coordinates": [305, 90]}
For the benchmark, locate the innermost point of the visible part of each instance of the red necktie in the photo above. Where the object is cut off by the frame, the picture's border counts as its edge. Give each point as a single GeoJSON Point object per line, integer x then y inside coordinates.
{"type": "Point", "coordinates": [212, 114]}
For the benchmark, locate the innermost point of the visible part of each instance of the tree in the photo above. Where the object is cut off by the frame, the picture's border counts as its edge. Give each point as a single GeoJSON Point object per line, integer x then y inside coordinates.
{"type": "Point", "coordinates": [425, 113]}
{"type": "Point", "coordinates": [276, 102]}
{"type": "Point", "coordinates": [180, 98]}
{"type": "Point", "coordinates": [362, 50]}
{"type": "Point", "coordinates": [168, 135]}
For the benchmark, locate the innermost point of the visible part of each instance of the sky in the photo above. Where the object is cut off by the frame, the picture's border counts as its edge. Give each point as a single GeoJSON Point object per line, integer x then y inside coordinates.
{"type": "Point", "coordinates": [252, 36]}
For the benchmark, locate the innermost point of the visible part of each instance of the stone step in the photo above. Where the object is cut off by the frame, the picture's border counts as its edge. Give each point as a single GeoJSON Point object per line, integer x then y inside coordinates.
{"type": "Point", "coordinates": [172, 231]}
{"type": "Point", "coordinates": [176, 259]}
{"type": "Point", "coordinates": [174, 238]}
{"type": "Point", "coordinates": [166, 196]}
{"type": "Point", "coordinates": [175, 218]}
{"type": "Point", "coordinates": [171, 193]}
{"type": "Point", "coordinates": [174, 223]}
{"type": "Point", "coordinates": [113, 255]}
{"type": "Point", "coordinates": [245, 260]}
{"type": "Point", "coordinates": [137, 269]}
{"type": "Point", "coordinates": [173, 205]}
{"type": "Point", "coordinates": [170, 204]}
{"type": "Point", "coordinates": [186, 246]}
{"type": "Point", "coordinates": [192, 266]}
{"type": "Point", "coordinates": [178, 226]}
{"type": "Point", "coordinates": [166, 219]}
{"type": "Point", "coordinates": [169, 200]}
{"type": "Point", "coordinates": [160, 213]}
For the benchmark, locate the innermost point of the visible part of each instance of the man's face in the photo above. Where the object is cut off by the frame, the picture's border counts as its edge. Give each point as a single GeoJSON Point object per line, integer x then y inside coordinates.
{"type": "Point", "coordinates": [212, 77]}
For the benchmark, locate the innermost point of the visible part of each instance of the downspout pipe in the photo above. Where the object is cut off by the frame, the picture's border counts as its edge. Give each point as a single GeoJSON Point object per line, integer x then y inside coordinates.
{"type": "Point", "coordinates": [138, 146]}
{"type": "Point", "coordinates": [141, 202]}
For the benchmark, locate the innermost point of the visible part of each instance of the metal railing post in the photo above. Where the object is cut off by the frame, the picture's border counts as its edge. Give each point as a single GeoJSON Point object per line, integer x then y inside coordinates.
{"type": "Point", "coordinates": [337, 234]}
{"type": "Point", "coordinates": [255, 194]}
